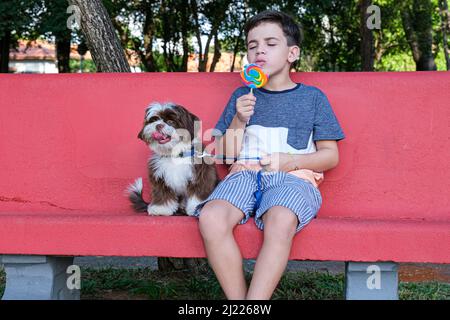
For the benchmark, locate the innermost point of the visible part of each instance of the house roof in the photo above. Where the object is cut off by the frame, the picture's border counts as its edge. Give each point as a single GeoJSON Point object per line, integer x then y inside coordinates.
{"type": "Point", "coordinates": [42, 50]}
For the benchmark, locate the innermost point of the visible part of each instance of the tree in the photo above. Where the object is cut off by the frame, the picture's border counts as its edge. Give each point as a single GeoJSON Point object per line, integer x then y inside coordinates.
{"type": "Point", "coordinates": [445, 18]}
{"type": "Point", "coordinates": [332, 34]}
{"type": "Point", "coordinates": [54, 20]}
{"type": "Point", "coordinates": [175, 30]}
{"type": "Point", "coordinates": [367, 40]}
{"type": "Point", "coordinates": [390, 42]}
{"type": "Point", "coordinates": [214, 12]}
{"type": "Point", "coordinates": [124, 13]}
{"type": "Point", "coordinates": [233, 30]}
{"type": "Point", "coordinates": [418, 26]}
{"type": "Point", "coordinates": [149, 31]}
{"type": "Point", "coordinates": [101, 37]}
{"type": "Point", "coordinates": [15, 20]}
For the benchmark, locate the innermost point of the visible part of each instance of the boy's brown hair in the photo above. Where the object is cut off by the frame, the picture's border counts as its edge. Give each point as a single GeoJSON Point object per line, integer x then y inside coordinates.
{"type": "Point", "coordinates": [291, 29]}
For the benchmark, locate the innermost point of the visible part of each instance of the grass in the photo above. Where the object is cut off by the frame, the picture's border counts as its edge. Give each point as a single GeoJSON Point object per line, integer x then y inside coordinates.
{"type": "Point", "coordinates": [2, 280]}
{"type": "Point", "coordinates": [145, 283]}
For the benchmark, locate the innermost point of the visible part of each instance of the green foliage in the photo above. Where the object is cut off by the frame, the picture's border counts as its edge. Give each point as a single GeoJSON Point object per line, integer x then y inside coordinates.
{"type": "Point", "coordinates": [310, 286]}
{"type": "Point", "coordinates": [424, 291]}
{"type": "Point", "coordinates": [18, 16]}
{"type": "Point", "coordinates": [332, 40]}
{"type": "Point", "coordinates": [331, 28]}
{"type": "Point", "coordinates": [2, 281]}
{"type": "Point", "coordinates": [53, 19]}
{"type": "Point", "coordinates": [88, 66]}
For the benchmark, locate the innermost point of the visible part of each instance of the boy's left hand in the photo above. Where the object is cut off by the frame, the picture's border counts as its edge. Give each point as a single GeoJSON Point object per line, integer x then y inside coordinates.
{"type": "Point", "coordinates": [277, 161]}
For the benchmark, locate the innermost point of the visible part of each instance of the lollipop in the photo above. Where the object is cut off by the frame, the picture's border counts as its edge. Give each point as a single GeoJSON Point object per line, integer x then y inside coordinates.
{"type": "Point", "coordinates": [253, 76]}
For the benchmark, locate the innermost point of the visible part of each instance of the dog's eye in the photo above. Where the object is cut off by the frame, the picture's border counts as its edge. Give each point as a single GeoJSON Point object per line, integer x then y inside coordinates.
{"type": "Point", "coordinates": [153, 119]}
{"type": "Point", "coordinates": [171, 123]}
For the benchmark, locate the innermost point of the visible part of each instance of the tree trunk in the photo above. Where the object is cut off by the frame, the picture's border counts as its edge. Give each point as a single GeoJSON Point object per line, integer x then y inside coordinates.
{"type": "Point", "coordinates": [185, 38]}
{"type": "Point", "coordinates": [63, 51]}
{"type": "Point", "coordinates": [236, 49]}
{"type": "Point", "coordinates": [5, 43]}
{"type": "Point", "coordinates": [203, 60]}
{"type": "Point", "coordinates": [149, 31]}
{"type": "Point", "coordinates": [101, 38]}
{"type": "Point", "coordinates": [193, 5]}
{"type": "Point", "coordinates": [418, 27]}
{"type": "Point", "coordinates": [194, 10]}
{"type": "Point", "coordinates": [178, 264]}
{"type": "Point", "coordinates": [238, 39]}
{"type": "Point", "coordinates": [217, 53]}
{"type": "Point", "coordinates": [216, 20]}
{"type": "Point", "coordinates": [367, 41]}
{"type": "Point", "coordinates": [445, 17]}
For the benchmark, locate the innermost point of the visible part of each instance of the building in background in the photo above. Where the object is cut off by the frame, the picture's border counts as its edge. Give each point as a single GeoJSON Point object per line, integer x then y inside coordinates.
{"type": "Point", "coordinates": [33, 57]}
{"type": "Point", "coordinates": [39, 56]}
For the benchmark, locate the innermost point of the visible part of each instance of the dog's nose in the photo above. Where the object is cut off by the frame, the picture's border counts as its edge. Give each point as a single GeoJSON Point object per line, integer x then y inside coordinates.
{"type": "Point", "coordinates": [159, 126]}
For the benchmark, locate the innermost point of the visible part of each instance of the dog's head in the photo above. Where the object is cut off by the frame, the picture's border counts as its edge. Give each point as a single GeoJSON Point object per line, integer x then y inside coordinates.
{"type": "Point", "coordinates": [168, 128]}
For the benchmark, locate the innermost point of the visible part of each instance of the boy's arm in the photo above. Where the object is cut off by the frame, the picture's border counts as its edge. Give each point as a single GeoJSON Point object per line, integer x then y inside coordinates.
{"type": "Point", "coordinates": [326, 157]}
{"type": "Point", "coordinates": [230, 143]}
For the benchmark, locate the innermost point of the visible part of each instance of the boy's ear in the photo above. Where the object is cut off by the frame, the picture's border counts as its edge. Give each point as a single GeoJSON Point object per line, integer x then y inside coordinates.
{"type": "Point", "coordinates": [294, 54]}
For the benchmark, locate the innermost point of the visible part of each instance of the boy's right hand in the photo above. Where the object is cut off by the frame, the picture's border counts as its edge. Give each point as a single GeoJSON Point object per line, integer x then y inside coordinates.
{"type": "Point", "coordinates": [244, 107]}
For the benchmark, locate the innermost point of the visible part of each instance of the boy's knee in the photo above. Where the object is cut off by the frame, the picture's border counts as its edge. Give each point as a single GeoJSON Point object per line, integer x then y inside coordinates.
{"type": "Point", "coordinates": [280, 224]}
{"type": "Point", "coordinates": [215, 222]}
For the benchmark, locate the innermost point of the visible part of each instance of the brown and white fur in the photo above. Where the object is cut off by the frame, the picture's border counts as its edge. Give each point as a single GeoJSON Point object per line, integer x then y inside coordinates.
{"type": "Point", "coordinates": [178, 184]}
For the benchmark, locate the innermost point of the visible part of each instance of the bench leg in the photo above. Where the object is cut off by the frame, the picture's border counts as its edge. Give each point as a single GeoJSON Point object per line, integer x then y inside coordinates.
{"type": "Point", "coordinates": [371, 281]}
{"type": "Point", "coordinates": [38, 278]}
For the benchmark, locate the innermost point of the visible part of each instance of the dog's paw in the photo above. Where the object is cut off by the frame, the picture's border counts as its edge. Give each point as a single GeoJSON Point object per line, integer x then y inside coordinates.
{"type": "Point", "coordinates": [166, 209]}
{"type": "Point", "coordinates": [191, 204]}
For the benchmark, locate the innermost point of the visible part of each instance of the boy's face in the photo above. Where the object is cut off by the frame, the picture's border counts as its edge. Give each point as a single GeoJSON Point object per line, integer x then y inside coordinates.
{"type": "Point", "coordinates": [267, 47]}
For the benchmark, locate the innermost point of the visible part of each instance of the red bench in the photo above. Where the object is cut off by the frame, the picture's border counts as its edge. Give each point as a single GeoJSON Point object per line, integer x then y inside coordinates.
{"type": "Point", "coordinates": [69, 149]}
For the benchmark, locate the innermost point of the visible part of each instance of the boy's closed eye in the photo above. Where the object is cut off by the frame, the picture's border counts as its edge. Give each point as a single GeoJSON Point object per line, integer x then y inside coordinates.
{"type": "Point", "coordinates": [272, 41]}
{"type": "Point", "coordinates": [269, 44]}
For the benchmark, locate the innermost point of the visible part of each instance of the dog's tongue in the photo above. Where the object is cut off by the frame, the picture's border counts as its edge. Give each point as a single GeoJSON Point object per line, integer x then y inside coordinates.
{"type": "Point", "coordinates": [160, 137]}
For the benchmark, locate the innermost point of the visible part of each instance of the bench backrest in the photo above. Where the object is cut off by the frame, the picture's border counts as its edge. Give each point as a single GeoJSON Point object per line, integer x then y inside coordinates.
{"type": "Point", "coordinates": [68, 143]}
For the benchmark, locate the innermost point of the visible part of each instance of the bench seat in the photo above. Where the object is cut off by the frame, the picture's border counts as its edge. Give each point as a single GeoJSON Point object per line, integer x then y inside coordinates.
{"type": "Point", "coordinates": [69, 149]}
{"type": "Point", "coordinates": [335, 239]}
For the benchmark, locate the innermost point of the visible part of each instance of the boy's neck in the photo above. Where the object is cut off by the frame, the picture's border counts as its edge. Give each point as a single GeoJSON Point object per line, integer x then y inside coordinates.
{"type": "Point", "coordinates": [280, 83]}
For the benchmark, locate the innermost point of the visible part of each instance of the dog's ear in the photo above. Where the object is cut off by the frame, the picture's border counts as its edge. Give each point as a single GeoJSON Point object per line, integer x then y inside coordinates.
{"type": "Point", "coordinates": [140, 134]}
{"type": "Point", "coordinates": [191, 119]}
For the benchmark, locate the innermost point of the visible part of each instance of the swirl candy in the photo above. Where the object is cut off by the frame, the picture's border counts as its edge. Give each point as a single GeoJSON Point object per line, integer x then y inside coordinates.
{"type": "Point", "coordinates": [253, 76]}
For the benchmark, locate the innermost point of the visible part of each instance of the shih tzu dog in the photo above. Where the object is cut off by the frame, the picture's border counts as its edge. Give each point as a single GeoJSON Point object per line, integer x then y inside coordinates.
{"type": "Point", "coordinates": [178, 183]}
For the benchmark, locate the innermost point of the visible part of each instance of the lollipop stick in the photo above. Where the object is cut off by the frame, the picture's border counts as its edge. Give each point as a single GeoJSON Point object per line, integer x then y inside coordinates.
{"type": "Point", "coordinates": [251, 91]}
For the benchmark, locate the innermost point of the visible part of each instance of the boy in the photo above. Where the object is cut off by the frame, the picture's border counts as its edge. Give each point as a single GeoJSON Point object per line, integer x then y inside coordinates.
{"type": "Point", "coordinates": [292, 130]}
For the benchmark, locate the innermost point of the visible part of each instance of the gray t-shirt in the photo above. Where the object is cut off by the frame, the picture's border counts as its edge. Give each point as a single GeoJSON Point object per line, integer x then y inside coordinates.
{"type": "Point", "coordinates": [284, 121]}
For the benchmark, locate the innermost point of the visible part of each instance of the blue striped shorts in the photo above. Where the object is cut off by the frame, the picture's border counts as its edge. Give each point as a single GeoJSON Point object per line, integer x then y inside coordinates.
{"type": "Point", "coordinates": [279, 188]}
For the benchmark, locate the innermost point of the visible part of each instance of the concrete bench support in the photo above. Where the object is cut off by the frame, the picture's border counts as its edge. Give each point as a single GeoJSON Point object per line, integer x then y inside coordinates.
{"type": "Point", "coordinates": [371, 281]}
{"type": "Point", "coordinates": [38, 278]}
